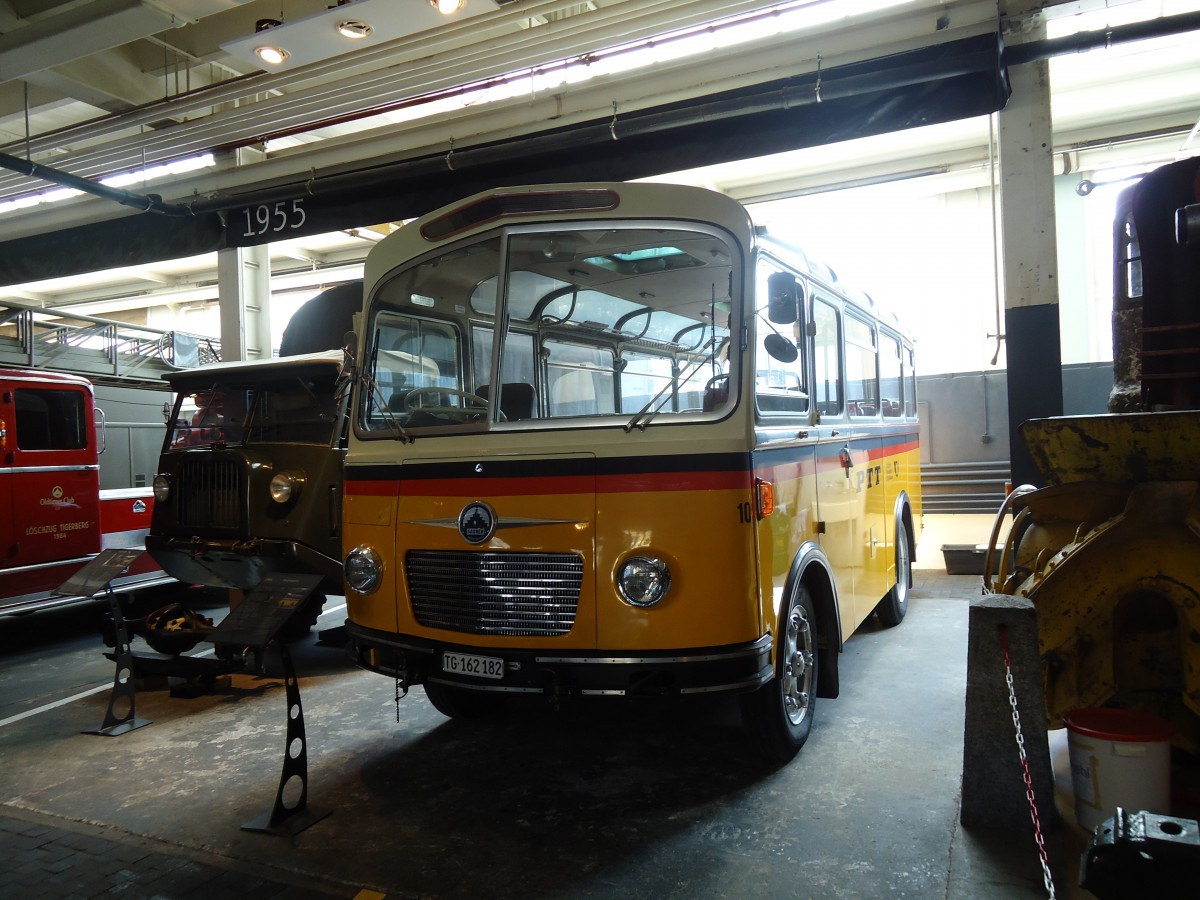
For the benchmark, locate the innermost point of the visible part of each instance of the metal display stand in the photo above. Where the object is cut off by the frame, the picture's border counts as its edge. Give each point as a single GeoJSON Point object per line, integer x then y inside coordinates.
{"type": "Point", "coordinates": [96, 576]}
{"type": "Point", "coordinates": [255, 623]}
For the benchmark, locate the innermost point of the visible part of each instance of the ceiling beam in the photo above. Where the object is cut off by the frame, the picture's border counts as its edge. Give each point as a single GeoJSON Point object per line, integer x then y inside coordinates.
{"type": "Point", "coordinates": [80, 30]}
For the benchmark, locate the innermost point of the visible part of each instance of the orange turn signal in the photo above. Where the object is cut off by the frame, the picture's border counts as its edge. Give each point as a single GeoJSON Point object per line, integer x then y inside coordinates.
{"type": "Point", "coordinates": [765, 492]}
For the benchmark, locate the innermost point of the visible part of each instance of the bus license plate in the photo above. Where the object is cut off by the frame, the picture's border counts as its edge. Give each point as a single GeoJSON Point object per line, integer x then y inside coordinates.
{"type": "Point", "coordinates": [468, 664]}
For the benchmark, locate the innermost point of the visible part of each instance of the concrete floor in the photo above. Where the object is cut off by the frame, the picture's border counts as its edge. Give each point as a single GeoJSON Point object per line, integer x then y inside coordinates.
{"type": "Point", "coordinates": [599, 800]}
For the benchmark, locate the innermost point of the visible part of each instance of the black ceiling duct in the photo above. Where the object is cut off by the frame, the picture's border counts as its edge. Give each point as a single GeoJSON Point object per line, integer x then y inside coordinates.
{"type": "Point", "coordinates": [955, 80]}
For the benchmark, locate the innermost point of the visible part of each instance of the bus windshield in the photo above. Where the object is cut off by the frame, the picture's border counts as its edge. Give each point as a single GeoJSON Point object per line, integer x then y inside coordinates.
{"type": "Point", "coordinates": [617, 323]}
{"type": "Point", "coordinates": [255, 409]}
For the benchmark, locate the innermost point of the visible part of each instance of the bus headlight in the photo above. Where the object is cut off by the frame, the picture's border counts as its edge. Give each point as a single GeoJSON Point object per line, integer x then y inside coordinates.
{"type": "Point", "coordinates": [286, 486]}
{"type": "Point", "coordinates": [643, 580]}
{"type": "Point", "coordinates": [161, 487]}
{"type": "Point", "coordinates": [362, 569]}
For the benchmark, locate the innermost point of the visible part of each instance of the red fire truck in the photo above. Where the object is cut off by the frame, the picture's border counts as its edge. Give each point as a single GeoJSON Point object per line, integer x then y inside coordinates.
{"type": "Point", "coordinates": [54, 517]}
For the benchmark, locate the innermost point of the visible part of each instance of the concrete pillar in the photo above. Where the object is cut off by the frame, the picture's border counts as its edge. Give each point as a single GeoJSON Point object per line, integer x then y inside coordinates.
{"type": "Point", "coordinates": [1030, 261]}
{"type": "Point", "coordinates": [244, 288]}
{"type": "Point", "coordinates": [993, 784]}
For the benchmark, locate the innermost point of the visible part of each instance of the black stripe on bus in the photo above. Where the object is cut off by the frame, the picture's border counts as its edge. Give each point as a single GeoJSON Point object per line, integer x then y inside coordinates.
{"type": "Point", "coordinates": [555, 467]}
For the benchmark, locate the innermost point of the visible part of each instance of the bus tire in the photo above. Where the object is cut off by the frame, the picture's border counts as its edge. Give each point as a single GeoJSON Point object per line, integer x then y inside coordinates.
{"type": "Point", "coordinates": [894, 605]}
{"type": "Point", "coordinates": [779, 714]}
{"type": "Point", "coordinates": [460, 703]}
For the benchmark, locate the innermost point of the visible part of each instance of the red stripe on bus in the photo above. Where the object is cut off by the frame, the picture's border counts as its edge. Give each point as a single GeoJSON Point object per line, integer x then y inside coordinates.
{"type": "Point", "coordinates": [891, 450]}
{"type": "Point", "coordinates": [648, 482]}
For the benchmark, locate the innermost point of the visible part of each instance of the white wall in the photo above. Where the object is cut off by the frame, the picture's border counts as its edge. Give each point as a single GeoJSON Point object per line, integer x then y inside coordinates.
{"type": "Point", "coordinates": [928, 257]}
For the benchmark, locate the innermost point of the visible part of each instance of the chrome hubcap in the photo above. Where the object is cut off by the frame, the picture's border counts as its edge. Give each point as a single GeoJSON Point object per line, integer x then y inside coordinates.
{"type": "Point", "coordinates": [797, 666]}
{"type": "Point", "coordinates": [902, 566]}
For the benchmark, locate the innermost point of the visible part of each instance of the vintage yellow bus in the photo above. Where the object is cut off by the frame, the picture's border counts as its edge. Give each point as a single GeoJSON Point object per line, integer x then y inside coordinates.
{"type": "Point", "coordinates": [611, 439]}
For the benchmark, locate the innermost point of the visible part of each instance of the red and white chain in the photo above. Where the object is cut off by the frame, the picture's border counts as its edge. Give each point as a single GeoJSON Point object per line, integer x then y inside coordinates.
{"type": "Point", "coordinates": [1047, 878]}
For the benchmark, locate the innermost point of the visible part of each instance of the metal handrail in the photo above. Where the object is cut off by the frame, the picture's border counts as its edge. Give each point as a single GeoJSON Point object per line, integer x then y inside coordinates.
{"type": "Point", "coordinates": [50, 337]}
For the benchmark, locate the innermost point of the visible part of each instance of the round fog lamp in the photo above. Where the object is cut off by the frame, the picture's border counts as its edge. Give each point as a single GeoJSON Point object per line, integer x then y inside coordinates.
{"type": "Point", "coordinates": [162, 488]}
{"type": "Point", "coordinates": [286, 486]}
{"type": "Point", "coordinates": [643, 581]}
{"type": "Point", "coordinates": [362, 569]}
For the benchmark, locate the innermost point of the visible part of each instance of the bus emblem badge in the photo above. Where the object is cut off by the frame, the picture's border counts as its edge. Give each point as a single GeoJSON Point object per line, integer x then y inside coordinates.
{"type": "Point", "coordinates": [476, 523]}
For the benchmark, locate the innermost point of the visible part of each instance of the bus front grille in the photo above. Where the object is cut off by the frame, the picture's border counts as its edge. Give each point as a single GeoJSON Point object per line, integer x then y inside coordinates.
{"type": "Point", "coordinates": [210, 494]}
{"type": "Point", "coordinates": [513, 594]}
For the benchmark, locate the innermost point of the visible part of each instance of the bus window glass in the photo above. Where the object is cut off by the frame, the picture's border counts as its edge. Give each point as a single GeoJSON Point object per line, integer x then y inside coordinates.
{"type": "Point", "coordinates": [50, 420]}
{"type": "Point", "coordinates": [525, 291]}
{"type": "Point", "coordinates": [889, 377]}
{"type": "Point", "coordinates": [862, 386]}
{"type": "Point", "coordinates": [518, 399]}
{"type": "Point", "coordinates": [827, 347]}
{"type": "Point", "coordinates": [580, 380]}
{"type": "Point", "coordinates": [780, 385]}
{"type": "Point", "coordinates": [603, 321]}
{"type": "Point", "coordinates": [412, 357]}
{"type": "Point", "coordinates": [910, 384]}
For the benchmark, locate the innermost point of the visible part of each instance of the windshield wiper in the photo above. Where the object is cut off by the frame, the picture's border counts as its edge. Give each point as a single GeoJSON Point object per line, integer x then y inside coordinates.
{"type": "Point", "coordinates": [377, 401]}
{"type": "Point", "coordinates": [682, 378]}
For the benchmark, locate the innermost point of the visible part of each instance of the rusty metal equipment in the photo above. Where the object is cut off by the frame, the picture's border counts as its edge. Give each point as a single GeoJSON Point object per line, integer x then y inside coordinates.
{"type": "Point", "coordinates": [1142, 855]}
{"type": "Point", "coordinates": [1109, 548]}
{"type": "Point", "coordinates": [1109, 553]}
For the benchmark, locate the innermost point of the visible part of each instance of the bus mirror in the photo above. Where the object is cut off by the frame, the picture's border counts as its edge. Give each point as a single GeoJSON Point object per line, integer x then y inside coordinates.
{"type": "Point", "coordinates": [349, 345]}
{"type": "Point", "coordinates": [780, 348]}
{"type": "Point", "coordinates": [782, 298]}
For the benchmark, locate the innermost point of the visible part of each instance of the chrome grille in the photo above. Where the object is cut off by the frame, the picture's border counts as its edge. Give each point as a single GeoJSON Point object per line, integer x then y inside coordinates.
{"type": "Point", "coordinates": [514, 594]}
{"type": "Point", "coordinates": [210, 494]}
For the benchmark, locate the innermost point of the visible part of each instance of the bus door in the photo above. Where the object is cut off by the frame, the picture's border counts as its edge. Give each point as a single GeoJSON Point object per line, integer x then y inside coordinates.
{"type": "Point", "coordinates": [786, 449]}
{"type": "Point", "coordinates": [836, 500]}
{"type": "Point", "coordinates": [873, 531]}
{"type": "Point", "coordinates": [55, 486]}
{"type": "Point", "coordinates": [894, 474]}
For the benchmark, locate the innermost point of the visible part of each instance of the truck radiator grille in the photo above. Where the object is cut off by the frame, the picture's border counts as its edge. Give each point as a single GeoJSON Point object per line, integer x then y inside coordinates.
{"type": "Point", "coordinates": [210, 494]}
{"type": "Point", "coordinates": [514, 594]}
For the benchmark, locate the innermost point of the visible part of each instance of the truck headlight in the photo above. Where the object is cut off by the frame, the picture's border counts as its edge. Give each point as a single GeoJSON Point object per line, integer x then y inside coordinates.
{"type": "Point", "coordinates": [161, 487]}
{"type": "Point", "coordinates": [286, 486]}
{"type": "Point", "coordinates": [362, 569]}
{"type": "Point", "coordinates": [643, 580]}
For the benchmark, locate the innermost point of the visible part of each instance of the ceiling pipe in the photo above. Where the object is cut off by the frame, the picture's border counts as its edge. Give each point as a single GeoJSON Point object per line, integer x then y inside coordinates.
{"type": "Point", "coordinates": [426, 72]}
{"type": "Point", "coordinates": [144, 202]}
{"type": "Point", "coordinates": [1082, 41]}
{"type": "Point", "coordinates": [913, 68]}
{"type": "Point", "coordinates": [1017, 54]}
{"type": "Point", "coordinates": [764, 97]}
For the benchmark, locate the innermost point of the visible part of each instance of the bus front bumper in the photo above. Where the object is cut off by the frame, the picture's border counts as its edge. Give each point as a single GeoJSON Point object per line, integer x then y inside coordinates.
{"type": "Point", "coordinates": [411, 660]}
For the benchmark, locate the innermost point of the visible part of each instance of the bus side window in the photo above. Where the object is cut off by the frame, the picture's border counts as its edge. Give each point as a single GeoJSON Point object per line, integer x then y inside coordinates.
{"type": "Point", "coordinates": [827, 365]}
{"type": "Point", "coordinates": [889, 377]}
{"type": "Point", "coordinates": [910, 383]}
{"type": "Point", "coordinates": [780, 380]}
{"type": "Point", "coordinates": [862, 378]}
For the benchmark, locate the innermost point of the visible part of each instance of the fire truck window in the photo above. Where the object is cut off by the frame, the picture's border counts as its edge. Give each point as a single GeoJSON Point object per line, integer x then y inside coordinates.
{"type": "Point", "coordinates": [50, 420]}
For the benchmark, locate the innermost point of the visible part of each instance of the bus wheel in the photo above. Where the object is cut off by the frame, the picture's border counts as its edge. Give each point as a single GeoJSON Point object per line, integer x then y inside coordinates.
{"type": "Point", "coordinates": [459, 703]}
{"type": "Point", "coordinates": [894, 604]}
{"type": "Point", "coordinates": [779, 714]}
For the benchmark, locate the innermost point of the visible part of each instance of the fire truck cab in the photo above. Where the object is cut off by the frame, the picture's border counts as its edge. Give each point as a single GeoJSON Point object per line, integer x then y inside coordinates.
{"type": "Point", "coordinates": [54, 517]}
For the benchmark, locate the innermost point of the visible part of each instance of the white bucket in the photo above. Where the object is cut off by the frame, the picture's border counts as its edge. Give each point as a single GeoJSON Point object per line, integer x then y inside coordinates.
{"type": "Point", "coordinates": [1119, 757]}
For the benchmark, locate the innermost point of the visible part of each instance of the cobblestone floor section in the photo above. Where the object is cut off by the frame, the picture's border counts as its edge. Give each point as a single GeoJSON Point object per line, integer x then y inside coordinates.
{"type": "Point", "coordinates": [43, 859]}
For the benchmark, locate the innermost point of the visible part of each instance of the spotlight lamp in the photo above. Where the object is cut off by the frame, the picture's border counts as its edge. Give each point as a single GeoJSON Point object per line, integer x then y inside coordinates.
{"type": "Point", "coordinates": [268, 53]}
{"type": "Point", "coordinates": [447, 7]}
{"type": "Point", "coordinates": [354, 30]}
